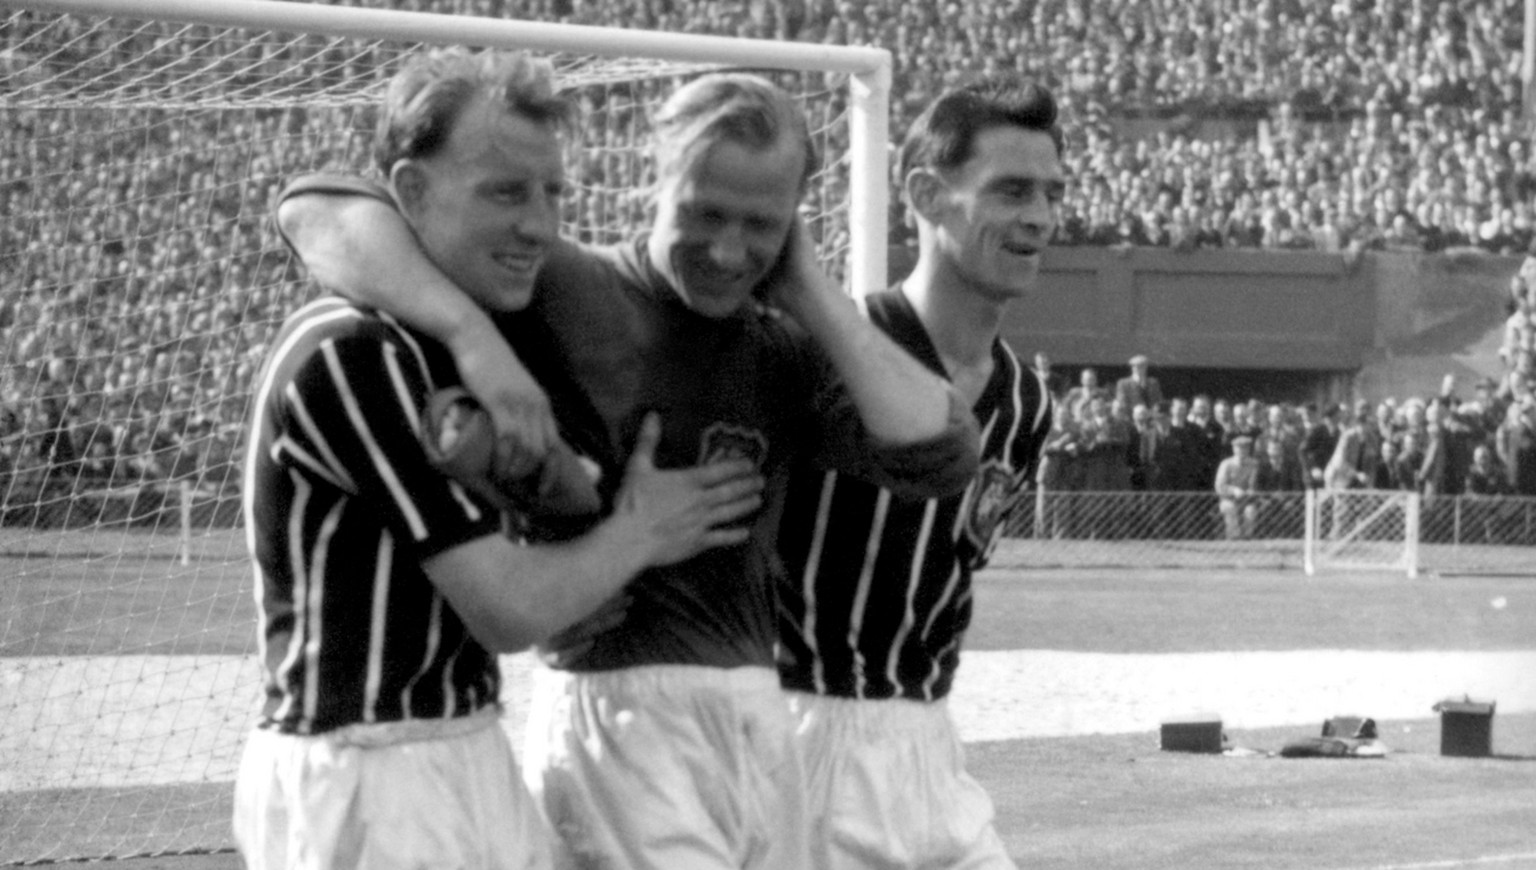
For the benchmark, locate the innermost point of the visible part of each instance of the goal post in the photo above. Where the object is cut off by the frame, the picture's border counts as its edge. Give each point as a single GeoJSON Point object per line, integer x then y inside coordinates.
{"type": "Point", "coordinates": [1361, 530]}
{"type": "Point", "coordinates": [868, 70]}
{"type": "Point", "coordinates": [140, 283]}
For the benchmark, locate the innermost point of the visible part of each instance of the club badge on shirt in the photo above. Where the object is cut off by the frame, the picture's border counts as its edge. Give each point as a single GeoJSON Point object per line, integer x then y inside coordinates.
{"type": "Point", "coordinates": [722, 441]}
{"type": "Point", "coordinates": [996, 491]}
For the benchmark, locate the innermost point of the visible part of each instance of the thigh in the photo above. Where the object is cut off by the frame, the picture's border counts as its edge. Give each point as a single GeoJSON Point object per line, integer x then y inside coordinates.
{"type": "Point", "coordinates": [659, 776]}
{"type": "Point", "coordinates": [454, 803]}
{"type": "Point", "coordinates": [896, 797]}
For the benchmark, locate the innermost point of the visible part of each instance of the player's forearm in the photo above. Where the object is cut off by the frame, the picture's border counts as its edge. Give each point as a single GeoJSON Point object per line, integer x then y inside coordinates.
{"type": "Point", "coordinates": [362, 249]}
{"type": "Point", "coordinates": [512, 596]}
{"type": "Point", "coordinates": [899, 399]}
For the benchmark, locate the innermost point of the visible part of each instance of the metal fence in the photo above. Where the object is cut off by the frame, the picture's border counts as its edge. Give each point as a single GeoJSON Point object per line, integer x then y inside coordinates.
{"type": "Point", "coordinates": [1355, 529]}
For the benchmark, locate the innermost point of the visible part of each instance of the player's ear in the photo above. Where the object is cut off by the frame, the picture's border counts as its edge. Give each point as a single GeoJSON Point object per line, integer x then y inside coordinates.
{"type": "Point", "coordinates": [925, 191]}
{"type": "Point", "coordinates": [409, 179]}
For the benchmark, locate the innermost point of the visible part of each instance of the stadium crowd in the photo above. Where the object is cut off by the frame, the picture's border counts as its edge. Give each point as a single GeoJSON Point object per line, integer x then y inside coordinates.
{"type": "Point", "coordinates": [1122, 438]}
{"type": "Point", "coordinates": [141, 279]}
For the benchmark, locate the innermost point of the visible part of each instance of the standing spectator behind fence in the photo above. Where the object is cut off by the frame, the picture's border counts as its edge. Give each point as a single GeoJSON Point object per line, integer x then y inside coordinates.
{"type": "Point", "coordinates": [1061, 471]}
{"type": "Point", "coordinates": [1208, 443]}
{"type": "Point", "coordinates": [1355, 454]}
{"type": "Point", "coordinates": [1318, 445]}
{"type": "Point", "coordinates": [1146, 438]}
{"type": "Point", "coordinates": [1487, 520]}
{"type": "Point", "coordinates": [1409, 461]}
{"type": "Point", "coordinates": [1279, 484]}
{"type": "Point", "coordinates": [1087, 388]}
{"type": "Point", "coordinates": [1139, 388]}
{"type": "Point", "coordinates": [1515, 444]}
{"type": "Point", "coordinates": [1052, 379]}
{"type": "Point", "coordinates": [1178, 454]}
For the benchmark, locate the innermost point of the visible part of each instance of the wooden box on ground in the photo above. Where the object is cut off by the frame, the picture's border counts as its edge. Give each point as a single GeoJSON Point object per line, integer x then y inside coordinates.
{"type": "Point", "coordinates": [1466, 728]}
{"type": "Point", "coordinates": [1198, 732]}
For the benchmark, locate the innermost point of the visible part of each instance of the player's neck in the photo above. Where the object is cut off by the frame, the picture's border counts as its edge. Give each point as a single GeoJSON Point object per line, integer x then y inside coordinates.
{"type": "Point", "coordinates": [962, 328]}
{"type": "Point", "coordinates": [961, 324]}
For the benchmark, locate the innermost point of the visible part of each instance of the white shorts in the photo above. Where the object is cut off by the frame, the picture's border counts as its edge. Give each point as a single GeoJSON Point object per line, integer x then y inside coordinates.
{"type": "Point", "coordinates": [442, 794]}
{"type": "Point", "coordinates": [888, 786]}
{"type": "Point", "coordinates": [673, 767]}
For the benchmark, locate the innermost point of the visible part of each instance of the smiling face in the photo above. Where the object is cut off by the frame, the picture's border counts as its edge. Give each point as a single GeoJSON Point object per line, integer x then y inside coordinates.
{"type": "Point", "coordinates": [486, 206]}
{"type": "Point", "coordinates": [994, 214]}
{"type": "Point", "coordinates": [722, 219]}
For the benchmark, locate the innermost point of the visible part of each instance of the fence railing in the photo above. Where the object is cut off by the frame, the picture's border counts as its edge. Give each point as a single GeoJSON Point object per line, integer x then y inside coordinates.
{"type": "Point", "coordinates": [1075, 529]}
{"type": "Point", "coordinates": [1460, 534]}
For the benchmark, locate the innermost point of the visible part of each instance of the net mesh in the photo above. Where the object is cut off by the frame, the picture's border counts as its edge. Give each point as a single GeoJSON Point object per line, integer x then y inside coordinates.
{"type": "Point", "coordinates": [142, 280]}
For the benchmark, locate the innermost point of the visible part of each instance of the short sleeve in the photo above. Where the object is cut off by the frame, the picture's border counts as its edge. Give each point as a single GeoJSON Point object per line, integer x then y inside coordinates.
{"type": "Point", "coordinates": [351, 418]}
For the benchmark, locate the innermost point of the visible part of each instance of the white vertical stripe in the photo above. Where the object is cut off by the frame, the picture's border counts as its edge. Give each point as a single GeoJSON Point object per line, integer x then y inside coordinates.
{"type": "Point", "coordinates": [434, 639]}
{"type": "Point", "coordinates": [296, 512]}
{"type": "Point", "coordinates": [259, 411]}
{"type": "Point", "coordinates": [317, 318]}
{"type": "Point", "coordinates": [471, 509]}
{"type": "Point", "coordinates": [914, 581]}
{"type": "Point", "coordinates": [375, 454]}
{"type": "Point", "coordinates": [954, 572]}
{"type": "Point", "coordinates": [312, 648]}
{"type": "Point", "coordinates": [937, 671]}
{"type": "Point", "coordinates": [1016, 400]}
{"type": "Point", "coordinates": [402, 390]}
{"type": "Point", "coordinates": [450, 697]}
{"type": "Point", "coordinates": [808, 579]}
{"type": "Point", "coordinates": [866, 578]}
{"type": "Point", "coordinates": [986, 434]}
{"type": "Point", "coordinates": [378, 619]}
{"type": "Point", "coordinates": [285, 449]}
{"type": "Point", "coordinates": [314, 433]}
{"type": "Point", "coordinates": [1042, 407]}
{"type": "Point", "coordinates": [410, 342]}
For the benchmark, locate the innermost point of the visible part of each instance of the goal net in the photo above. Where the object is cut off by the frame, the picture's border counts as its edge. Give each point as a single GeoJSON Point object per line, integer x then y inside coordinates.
{"type": "Point", "coordinates": [1362, 529]}
{"type": "Point", "coordinates": [140, 281]}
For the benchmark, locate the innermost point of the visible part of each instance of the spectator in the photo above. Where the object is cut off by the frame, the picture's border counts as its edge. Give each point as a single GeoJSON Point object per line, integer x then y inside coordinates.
{"type": "Point", "coordinates": [1318, 445]}
{"type": "Point", "coordinates": [1139, 388]}
{"type": "Point", "coordinates": [1087, 389]}
{"type": "Point", "coordinates": [1179, 455]}
{"type": "Point", "coordinates": [1515, 446]}
{"type": "Point", "coordinates": [1048, 375]}
{"type": "Point", "coordinates": [1236, 480]}
{"type": "Point", "coordinates": [1145, 443]}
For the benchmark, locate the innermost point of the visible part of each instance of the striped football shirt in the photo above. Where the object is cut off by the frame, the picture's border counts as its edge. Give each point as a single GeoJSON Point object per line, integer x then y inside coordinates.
{"type": "Point", "coordinates": [341, 508]}
{"type": "Point", "coordinates": [877, 595]}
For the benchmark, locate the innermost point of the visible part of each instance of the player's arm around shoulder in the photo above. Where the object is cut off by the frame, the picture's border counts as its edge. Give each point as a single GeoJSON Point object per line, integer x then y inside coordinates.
{"type": "Point", "coordinates": [354, 242]}
{"type": "Point", "coordinates": [511, 596]}
{"type": "Point", "coordinates": [920, 436]}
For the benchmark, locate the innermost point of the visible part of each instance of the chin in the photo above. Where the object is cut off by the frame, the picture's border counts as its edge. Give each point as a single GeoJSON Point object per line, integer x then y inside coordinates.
{"type": "Point", "coordinates": [716, 308]}
{"type": "Point", "coordinates": [507, 298]}
{"type": "Point", "coordinates": [715, 304]}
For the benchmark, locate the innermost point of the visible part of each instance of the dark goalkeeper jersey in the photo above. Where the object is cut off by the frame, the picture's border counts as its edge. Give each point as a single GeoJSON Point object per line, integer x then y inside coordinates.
{"type": "Point", "coordinates": [877, 595]}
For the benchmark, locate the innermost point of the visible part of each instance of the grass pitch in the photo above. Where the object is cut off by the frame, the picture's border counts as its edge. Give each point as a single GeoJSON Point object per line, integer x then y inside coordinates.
{"type": "Point", "coordinates": [1091, 801]}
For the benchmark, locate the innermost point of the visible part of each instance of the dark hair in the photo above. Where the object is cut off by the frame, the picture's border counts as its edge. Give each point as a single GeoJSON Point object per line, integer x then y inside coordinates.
{"type": "Point", "coordinates": [944, 135]}
{"type": "Point", "coordinates": [742, 108]}
{"type": "Point", "coordinates": [427, 95]}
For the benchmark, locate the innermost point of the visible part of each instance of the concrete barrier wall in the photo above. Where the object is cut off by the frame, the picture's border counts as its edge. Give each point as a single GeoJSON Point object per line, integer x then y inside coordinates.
{"type": "Point", "coordinates": [1397, 320]}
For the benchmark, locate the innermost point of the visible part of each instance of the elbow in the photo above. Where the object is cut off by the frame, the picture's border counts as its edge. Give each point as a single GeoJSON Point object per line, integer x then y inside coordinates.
{"type": "Point", "coordinates": [952, 465]}
{"type": "Point", "coordinates": [323, 230]}
{"type": "Point", "coordinates": [292, 215]}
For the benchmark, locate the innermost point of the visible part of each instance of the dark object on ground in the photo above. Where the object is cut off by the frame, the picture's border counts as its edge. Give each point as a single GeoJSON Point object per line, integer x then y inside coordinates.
{"type": "Point", "coordinates": [1466, 727]}
{"type": "Point", "coordinates": [1199, 732]}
